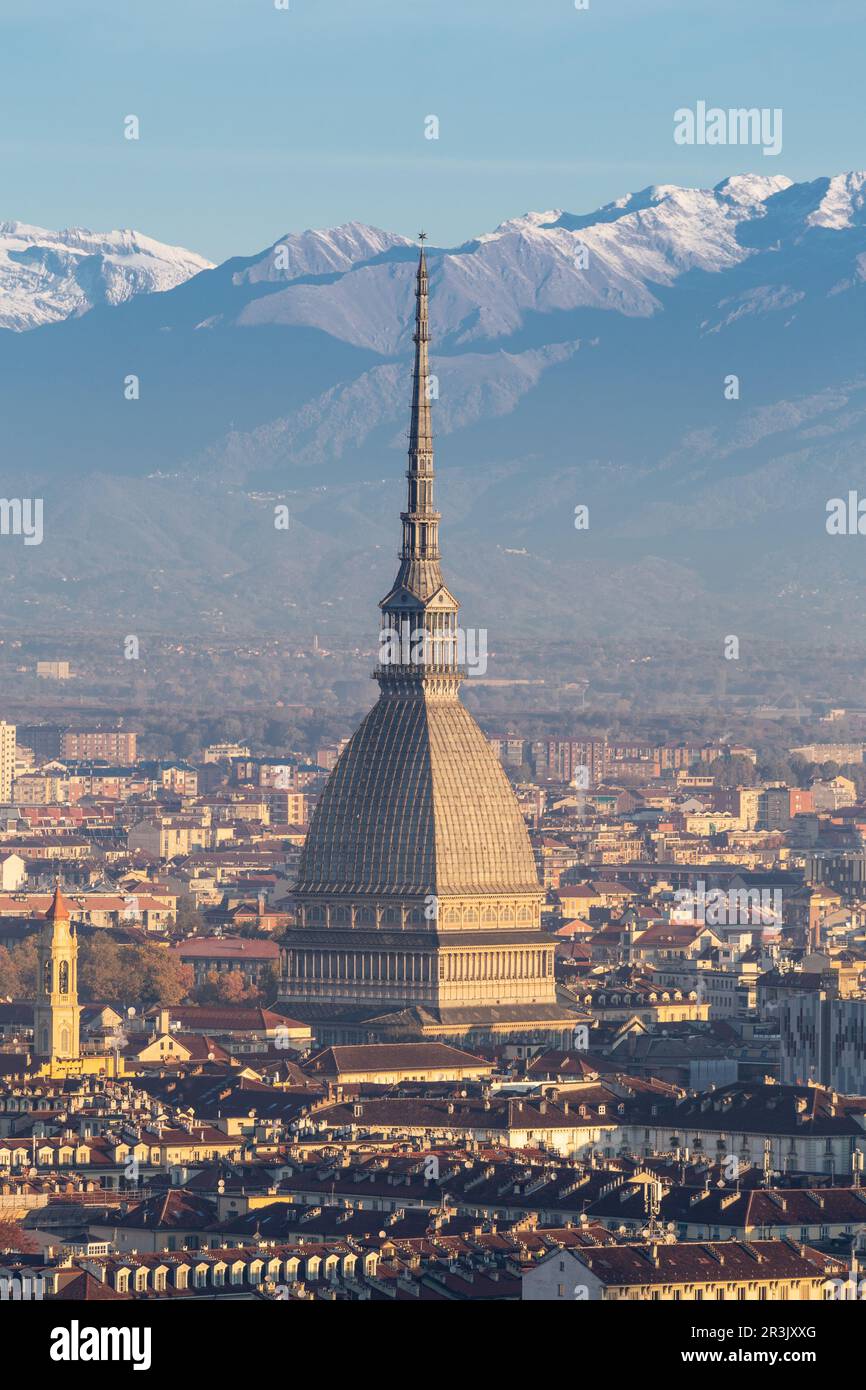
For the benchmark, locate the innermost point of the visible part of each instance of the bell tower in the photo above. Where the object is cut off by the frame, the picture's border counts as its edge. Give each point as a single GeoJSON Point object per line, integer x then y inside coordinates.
{"type": "Point", "coordinates": [56, 1012]}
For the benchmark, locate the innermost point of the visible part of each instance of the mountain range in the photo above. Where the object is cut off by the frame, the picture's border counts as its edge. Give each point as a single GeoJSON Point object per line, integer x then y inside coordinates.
{"type": "Point", "coordinates": [48, 276]}
{"type": "Point", "coordinates": [688, 364]}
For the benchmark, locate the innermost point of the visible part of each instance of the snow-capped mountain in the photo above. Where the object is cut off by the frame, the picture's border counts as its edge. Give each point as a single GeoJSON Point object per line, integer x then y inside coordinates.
{"type": "Point", "coordinates": [350, 281]}
{"type": "Point", "coordinates": [46, 276]}
{"type": "Point", "coordinates": [618, 258]}
{"type": "Point", "coordinates": [318, 253]}
{"type": "Point", "coordinates": [580, 358]}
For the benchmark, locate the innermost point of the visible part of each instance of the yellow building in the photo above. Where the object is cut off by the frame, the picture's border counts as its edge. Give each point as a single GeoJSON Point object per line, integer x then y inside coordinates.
{"type": "Point", "coordinates": [772, 1270]}
{"type": "Point", "coordinates": [56, 1012]}
{"type": "Point", "coordinates": [7, 760]}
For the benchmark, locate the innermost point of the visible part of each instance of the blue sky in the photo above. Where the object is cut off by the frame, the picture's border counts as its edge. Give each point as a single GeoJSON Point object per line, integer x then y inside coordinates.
{"type": "Point", "coordinates": [257, 121]}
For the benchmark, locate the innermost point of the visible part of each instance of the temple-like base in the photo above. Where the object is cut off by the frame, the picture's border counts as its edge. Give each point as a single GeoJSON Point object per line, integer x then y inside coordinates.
{"type": "Point", "coordinates": [548, 1025]}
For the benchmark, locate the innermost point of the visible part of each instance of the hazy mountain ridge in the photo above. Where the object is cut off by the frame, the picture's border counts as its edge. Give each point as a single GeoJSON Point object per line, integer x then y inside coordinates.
{"type": "Point", "coordinates": [579, 359]}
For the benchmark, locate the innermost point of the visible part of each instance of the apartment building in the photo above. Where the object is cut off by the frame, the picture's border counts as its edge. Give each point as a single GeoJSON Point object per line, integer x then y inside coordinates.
{"type": "Point", "coordinates": [757, 1270]}
{"type": "Point", "coordinates": [114, 745]}
{"type": "Point", "coordinates": [823, 1039]}
{"type": "Point", "coordinates": [7, 760]}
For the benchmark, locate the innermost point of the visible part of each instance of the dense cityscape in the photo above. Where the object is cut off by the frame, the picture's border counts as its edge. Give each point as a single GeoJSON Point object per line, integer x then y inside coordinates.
{"type": "Point", "coordinates": [427, 1014]}
{"type": "Point", "coordinates": [696, 1083]}
{"type": "Point", "coordinates": [432, 701]}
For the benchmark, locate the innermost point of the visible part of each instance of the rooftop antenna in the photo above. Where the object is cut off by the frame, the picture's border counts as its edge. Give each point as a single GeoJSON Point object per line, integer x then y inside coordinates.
{"type": "Point", "coordinates": [768, 1162]}
{"type": "Point", "coordinates": [653, 1206]}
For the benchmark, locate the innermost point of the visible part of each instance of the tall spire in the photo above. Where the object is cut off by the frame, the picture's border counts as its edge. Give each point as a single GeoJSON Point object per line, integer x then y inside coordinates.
{"type": "Point", "coordinates": [420, 521]}
{"type": "Point", "coordinates": [419, 615]}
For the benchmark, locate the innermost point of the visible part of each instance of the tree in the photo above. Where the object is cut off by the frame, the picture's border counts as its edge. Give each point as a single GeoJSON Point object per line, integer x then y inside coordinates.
{"type": "Point", "coordinates": [224, 987]}
{"type": "Point", "coordinates": [184, 744]}
{"type": "Point", "coordinates": [26, 962]}
{"type": "Point", "coordinates": [10, 976]}
{"type": "Point", "coordinates": [802, 772]}
{"type": "Point", "coordinates": [187, 918]}
{"type": "Point", "coordinates": [733, 772]}
{"type": "Point", "coordinates": [15, 1240]}
{"type": "Point", "coordinates": [269, 983]}
{"type": "Point", "coordinates": [775, 767]}
{"type": "Point", "coordinates": [102, 971]}
{"type": "Point", "coordinates": [232, 987]}
{"type": "Point", "coordinates": [279, 733]}
{"type": "Point", "coordinates": [165, 978]}
{"type": "Point", "coordinates": [139, 975]}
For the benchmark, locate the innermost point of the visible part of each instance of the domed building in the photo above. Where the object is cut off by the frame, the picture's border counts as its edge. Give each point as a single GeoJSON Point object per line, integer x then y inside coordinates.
{"type": "Point", "coordinates": [418, 902]}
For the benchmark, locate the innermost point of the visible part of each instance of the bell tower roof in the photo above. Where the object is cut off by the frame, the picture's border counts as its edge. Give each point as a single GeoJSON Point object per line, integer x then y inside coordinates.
{"type": "Point", "coordinates": [59, 910]}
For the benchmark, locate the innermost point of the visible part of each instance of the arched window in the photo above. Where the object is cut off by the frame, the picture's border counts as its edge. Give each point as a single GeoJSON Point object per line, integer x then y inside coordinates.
{"type": "Point", "coordinates": [46, 977]}
{"type": "Point", "coordinates": [63, 975]}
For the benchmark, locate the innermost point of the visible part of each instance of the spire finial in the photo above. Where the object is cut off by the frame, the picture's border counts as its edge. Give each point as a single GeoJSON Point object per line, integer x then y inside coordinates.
{"type": "Point", "coordinates": [422, 237]}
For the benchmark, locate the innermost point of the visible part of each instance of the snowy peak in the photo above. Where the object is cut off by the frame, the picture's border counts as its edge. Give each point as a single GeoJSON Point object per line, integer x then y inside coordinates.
{"type": "Point", "coordinates": [843, 203]}
{"type": "Point", "coordinates": [752, 188]}
{"type": "Point", "coordinates": [527, 222]}
{"type": "Point", "coordinates": [46, 276]}
{"type": "Point", "coordinates": [320, 252]}
{"type": "Point", "coordinates": [353, 281]}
